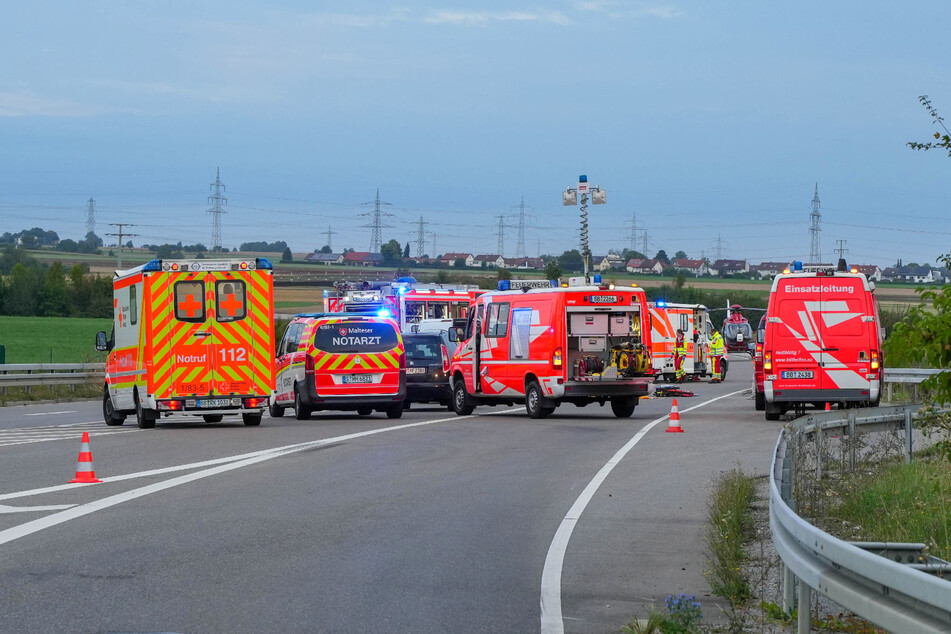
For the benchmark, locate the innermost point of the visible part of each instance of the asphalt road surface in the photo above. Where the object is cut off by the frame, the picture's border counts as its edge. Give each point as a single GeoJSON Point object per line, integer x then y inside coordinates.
{"type": "Point", "coordinates": [432, 523]}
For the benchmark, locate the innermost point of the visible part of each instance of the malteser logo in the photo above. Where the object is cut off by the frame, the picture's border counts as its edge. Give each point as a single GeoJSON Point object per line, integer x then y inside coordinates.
{"type": "Point", "coordinates": [343, 332]}
{"type": "Point", "coordinates": [832, 288]}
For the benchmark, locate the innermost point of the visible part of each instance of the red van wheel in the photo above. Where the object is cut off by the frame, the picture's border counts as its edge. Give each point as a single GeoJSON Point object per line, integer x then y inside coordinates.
{"type": "Point", "coordinates": [461, 403]}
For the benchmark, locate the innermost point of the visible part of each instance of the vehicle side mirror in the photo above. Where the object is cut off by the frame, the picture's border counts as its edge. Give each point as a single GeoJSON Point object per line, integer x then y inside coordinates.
{"type": "Point", "coordinates": [102, 344]}
{"type": "Point", "coordinates": [454, 335]}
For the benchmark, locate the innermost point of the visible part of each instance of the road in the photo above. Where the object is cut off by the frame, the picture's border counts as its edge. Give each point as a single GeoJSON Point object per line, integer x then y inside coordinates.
{"type": "Point", "coordinates": [431, 523]}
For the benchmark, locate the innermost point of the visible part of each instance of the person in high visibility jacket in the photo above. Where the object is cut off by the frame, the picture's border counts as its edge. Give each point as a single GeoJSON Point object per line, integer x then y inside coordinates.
{"type": "Point", "coordinates": [680, 353]}
{"type": "Point", "coordinates": [716, 355]}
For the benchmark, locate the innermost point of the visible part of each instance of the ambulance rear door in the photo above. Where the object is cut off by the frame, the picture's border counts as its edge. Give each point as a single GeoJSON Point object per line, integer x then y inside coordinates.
{"type": "Point", "coordinates": [240, 342]}
{"type": "Point", "coordinates": [182, 335]}
{"type": "Point", "coordinates": [843, 323]}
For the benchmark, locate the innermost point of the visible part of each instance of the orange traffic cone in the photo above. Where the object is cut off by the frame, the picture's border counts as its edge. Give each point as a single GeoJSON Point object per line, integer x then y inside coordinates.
{"type": "Point", "coordinates": [828, 407]}
{"type": "Point", "coordinates": [674, 426]}
{"type": "Point", "coordinates": [84, 471]}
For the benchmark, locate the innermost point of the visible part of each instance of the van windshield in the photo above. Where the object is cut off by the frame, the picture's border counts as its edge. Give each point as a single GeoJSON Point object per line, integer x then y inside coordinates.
{"type": "Point", "coordinates": [353, 336]}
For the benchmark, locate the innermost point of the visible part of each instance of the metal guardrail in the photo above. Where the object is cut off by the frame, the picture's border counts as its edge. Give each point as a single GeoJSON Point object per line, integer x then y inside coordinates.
{"type": "Point", "coordinates": [906, 375]}
{"type": "Point", "coordinates": [892, 595]}
{"type": "Point", "coordinates": [33, 374]}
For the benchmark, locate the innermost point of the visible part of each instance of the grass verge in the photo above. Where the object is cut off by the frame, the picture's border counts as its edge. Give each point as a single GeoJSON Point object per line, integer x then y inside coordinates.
{"type": "Point", "coordinates": [730, 524]}
{"type": "Point", "coordinates": [52, 339]}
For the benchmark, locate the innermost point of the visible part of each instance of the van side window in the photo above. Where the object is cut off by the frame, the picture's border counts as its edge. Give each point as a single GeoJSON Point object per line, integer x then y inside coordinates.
{"type": "Point", "coordinates": [133, 309]}
{"type": "Point", "coordinates": [292, 338]}
{"type": "Point", "coordinates": [230, 300]}
{"type": "Point", "coordinates": [497, 323]}
{"type": "Point", "coordinates": [521, 333]}
{"type": "Point", "coordinates": [190, 301]}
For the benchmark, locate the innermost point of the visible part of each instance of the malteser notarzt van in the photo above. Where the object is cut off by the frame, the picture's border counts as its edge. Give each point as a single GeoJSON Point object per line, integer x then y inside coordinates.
{"type": "Point", "coordinates": [823, 342]}
{"type": "Point", "coordinates": [340, 361]}
{"type": "Point", "coordinates": [190, 337]}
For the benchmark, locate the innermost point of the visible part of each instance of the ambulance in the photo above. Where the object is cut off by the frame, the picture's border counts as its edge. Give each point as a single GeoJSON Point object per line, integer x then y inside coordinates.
{"type": "Point", "coordinates": [694, 320]}
{"type": "Point", "coordinates": [340, 361]}
{"type": "Point", "coordinates": [546, 346]}
{"type": "Point", "coordinates": [191, 337]}
{"type": "Point", "coordinates": [822, 342]}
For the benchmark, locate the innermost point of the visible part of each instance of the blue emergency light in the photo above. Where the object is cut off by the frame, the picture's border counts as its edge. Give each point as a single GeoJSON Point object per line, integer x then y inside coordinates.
{"type": "Point", "coordinates": [152, 265]}
{"type": "Point", "coordinates": [660, 303]}
{"type": "Point", "coordinates": [263, 263]}
{"type": "Point", "coordinates": [505, 285]}
{"type": "Point", "coordinates": [385, 313]}
{"type": "Point", "coordinates": [583, 178]}
{"type": "Point", "coordinates": [597, 278]}
{"type": "Point", "coordinates": [797, 266]}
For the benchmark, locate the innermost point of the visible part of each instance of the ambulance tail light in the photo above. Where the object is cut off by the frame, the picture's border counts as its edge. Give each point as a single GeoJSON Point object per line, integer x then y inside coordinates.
{"type": "Point", "coordinates": [445, 359]}
{"type": "Point", "coordinates": [768, 361]}
{"type": "Point", "coordinates": [308, 365]}
{"type": "Point", "coordinates": [557, 359]}
{"type": "Point", "coordinates": [403, 361]}
{"type": "Point", "coordinates": [875, 363]}
{"type": "Point", "coordinates": [171, 406]}
{"type": "Point", "coordinates": [254, 402]}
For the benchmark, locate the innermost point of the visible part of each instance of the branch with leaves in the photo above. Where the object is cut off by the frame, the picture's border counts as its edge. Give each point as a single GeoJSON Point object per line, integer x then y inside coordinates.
{"type": "Point", "coordinates": [942, 141]}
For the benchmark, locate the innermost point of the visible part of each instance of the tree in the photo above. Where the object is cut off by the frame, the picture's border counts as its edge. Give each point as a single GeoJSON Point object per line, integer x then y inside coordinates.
{"type": "Point", "coordinates": [552, 270]}
{"type": "Point", "coordinates": [503, 274]}
{"type": "Point", "coordinates": [326, 249]}
{"type": "Point", "coordinates": [942, 141]}
{"type": "Point", "coordinates": [571, 261]}
{"type": "Point", "coordinates": [392, 253]}
{"type": "Point", "coordinates": [287, 256]}
{"type": "Point", "coordinates": [459, 263]}
{"type": "Point", "coordinates": [680, 255]}
{"type": "Point", "coordinates": [406, 250]}
{"type": "Point", "coordinates": [662, 256]}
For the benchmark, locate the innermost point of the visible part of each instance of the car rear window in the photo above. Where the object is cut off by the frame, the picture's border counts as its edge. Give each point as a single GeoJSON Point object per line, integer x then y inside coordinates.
{"type": "Point", "coordinates": [355, 336]}
{"type": "Point", "coordinates": [423, 348]}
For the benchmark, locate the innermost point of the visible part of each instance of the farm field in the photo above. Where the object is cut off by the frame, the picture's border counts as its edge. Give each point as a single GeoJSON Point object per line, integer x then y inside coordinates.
{"type": "Point", "coordinates": [52, 339]}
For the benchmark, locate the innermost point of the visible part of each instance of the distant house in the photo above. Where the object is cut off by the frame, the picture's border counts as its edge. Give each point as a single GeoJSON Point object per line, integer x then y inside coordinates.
{"type": "Point", "coordinates": [600, 263]}
{"type": "Point", "coordinates": [525, 263]}
{"type": "Point", "coordinates": [870, 271]}
{"type": "Point", "coordinates": [643, 265]}
{"type": "Point", "coordinates": [450, 258]}
{"type": "Point", "coordinates": [915, 274]}
{"type": "Point", "coordinates": [769, 269]}
{"type": "Point", "coordinates": [694, 267]}
{"type": "Point", "coordinates": [615, 261]}
{"type": "Point", "coordinates": [729, 267]}
{"type": "Point", "coordinates": [490, 260]}
{"type": "Point", "coordinates": [363, 258]}
{"type": "Point", "coordinates": [324, 258]}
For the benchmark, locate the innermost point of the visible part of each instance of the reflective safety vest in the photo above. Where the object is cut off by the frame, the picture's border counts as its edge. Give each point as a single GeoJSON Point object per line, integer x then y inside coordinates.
{"type": "Point", "coordinates": [679, 346]}
{"type": "Point", "coordinates": [716, 345]}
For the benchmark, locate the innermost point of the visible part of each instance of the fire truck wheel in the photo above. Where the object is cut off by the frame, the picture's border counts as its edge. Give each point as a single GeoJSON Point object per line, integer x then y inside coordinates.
{"type": "Point", "coordinates": [275, 410]}
{"type": "Point", "coordinates": [112, 418]}
{"type": "Point", "coordinates": [533, 402]}
{"type": "Point", "coordinates": [773, 411]}
{"type": "Point", "coordinates": [623, 407]}
{"type": "Point", "coordinates": [461, 403]}
{"type": "Point", "coordinates": [364, 411]}
{"type": "Point", "coordinates": [143, 417]}
{"type": "Point", "coordinates": [394, 411]}
{"type": "Point", "coordinates": [212, 418]}
{"type": "Point", "coordinates": [759, 401]}
{"type": "Point", "coordinates": [301, 411]}
{"type": "Point", "coordinates": [251, 420]}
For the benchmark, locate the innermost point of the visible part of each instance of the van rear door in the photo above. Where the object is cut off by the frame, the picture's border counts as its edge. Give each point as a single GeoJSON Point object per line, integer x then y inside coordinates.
{"type": "Point", "coordinates": [357, 357]}
{"type": "Point", "coordinates": [794, 339]}
{"type": "Point", "coordinates": [844, 322]}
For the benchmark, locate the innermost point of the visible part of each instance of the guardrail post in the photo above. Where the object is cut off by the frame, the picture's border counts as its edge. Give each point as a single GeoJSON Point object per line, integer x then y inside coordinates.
{"type": "Point", "coordinates": [888, 391]}
{"type": "Point", "coordinates": [908, 435]}
{"type": "Point", "coordinates": [852, 441]}
{"type": "Point", "coordinates": [820, 451]}
{"type": "Point", "coordinates": [28, 388]}
{"type": "Point", "coordinates": [805, 609]}
{"type": "Point", "coordinates": [789, 590]}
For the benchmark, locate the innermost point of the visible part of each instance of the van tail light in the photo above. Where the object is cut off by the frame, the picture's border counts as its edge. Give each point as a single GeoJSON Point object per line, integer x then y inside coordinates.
{"type": "Point", "coordinates": [875, 364]}
{"type": "Point", "coordinates": [402, 361]}
{"type": "Point", "coordinates": [445, 359]}
{"type": "Point", "coordinates": [557, 359]}
{"type": "Point", "coordinates": [767, 361]}
{"type": "Point", "coordinates": [308, 364]}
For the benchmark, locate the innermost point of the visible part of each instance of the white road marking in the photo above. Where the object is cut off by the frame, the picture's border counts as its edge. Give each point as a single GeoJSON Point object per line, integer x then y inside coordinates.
{"type": "Point", "coordinates": [30, 509]}
{"type": "Point", "coordinates": [72, 411]}
{"type": "Point", "coordinates": [551, 618]}
{"type": "Point", "coordinates": [230, 464]}
{"type": "Point", "coordinates": [26, 435]}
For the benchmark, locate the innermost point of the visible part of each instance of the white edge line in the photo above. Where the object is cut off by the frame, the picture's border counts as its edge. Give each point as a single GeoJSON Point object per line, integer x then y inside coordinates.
{"type": "Point", "coordinates": [234, 462]}
{"type": "Point", "coordinates": [552, 621]}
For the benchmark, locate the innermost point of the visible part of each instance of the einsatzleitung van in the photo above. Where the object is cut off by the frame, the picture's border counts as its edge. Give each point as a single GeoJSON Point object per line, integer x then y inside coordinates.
{"type": "Point", "coordinates": [340, 361]}
{"type": "Point", "coordinates": [822, 341]}
{"type": "Point", "coordinates": [694, 320]}
{"type": "Point", "coordinates": [542, 347]}
{"type": "Point", "coordinates": [190, 337]}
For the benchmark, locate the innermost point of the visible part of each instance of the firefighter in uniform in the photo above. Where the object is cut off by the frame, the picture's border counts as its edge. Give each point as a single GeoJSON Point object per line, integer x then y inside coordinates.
{"type": "Point", "coordinates": [716, 355]}
{"type": "Point", "coordinates": [680, 353]}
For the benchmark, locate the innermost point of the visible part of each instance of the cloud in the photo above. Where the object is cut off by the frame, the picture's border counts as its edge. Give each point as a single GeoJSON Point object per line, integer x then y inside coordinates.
{"type": "Point", "coordinates": [620, 9]}
{"type": "Point", "coordinates": [30, 105]}
{"type": "Point", "coordinates": [480, 18]}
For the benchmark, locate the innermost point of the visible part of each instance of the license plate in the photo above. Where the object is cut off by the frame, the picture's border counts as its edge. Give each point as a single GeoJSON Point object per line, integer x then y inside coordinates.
{"type": "Point", "coordinates": [603, 299]}
{"type": "Point", "coordinates": [358, 378]}
{"type": "Point", "coordinates": [214, 402]}
{"type": "Point", "coordinates": [797, 374]}
{"type": "Point", "coordinates": [415, 370]}
{"type": "Point", "coordinates": [739, 336]}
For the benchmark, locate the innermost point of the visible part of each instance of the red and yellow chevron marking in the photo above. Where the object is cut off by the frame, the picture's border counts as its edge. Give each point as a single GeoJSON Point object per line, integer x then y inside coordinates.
{"type": "Point", "coordinates": [334, 362]}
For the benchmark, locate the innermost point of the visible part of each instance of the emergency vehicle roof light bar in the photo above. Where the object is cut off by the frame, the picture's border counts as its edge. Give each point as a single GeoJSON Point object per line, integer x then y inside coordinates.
{"type": "Point", "coordinates": [797, 266]}
{"type": "Point", "coordinates": [263, 263]}
{"type": "Point", "coordinates": [152, 265]}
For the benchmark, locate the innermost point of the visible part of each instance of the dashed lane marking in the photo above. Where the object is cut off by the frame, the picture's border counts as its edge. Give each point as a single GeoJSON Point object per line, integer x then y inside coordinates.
{"type": "Point", "coordinates": [27, 435]}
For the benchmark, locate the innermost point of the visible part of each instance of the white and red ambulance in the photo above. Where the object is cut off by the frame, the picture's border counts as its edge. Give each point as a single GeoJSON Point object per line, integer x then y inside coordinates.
{"type": "Point", "coordinates": [823, 341]}
{"type": "Point", "coordinates": [545, 346]}
{"type": "Point", "coordinates": [694, 320]}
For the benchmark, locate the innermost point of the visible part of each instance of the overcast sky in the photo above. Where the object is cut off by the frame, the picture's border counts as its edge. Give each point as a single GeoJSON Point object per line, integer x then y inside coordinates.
{"type": "Point", "coordinates": [711, 121]}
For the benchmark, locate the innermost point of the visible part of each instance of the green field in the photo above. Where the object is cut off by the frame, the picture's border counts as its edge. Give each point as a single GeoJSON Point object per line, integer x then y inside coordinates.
{"type": "Point", "coordinates": [56, 339]}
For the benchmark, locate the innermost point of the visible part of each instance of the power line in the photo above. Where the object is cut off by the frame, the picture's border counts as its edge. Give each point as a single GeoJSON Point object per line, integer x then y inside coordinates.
{"type": "Point", "coordinates": [814, 229]}
{"type": "Point", "coordinates": [520, 246]}
{"type": "Point", "coordinates": [376, 223]}
{"type": "Point", "coordinates": [216, 200]}
{"type": "Point", "coordinates": [329, 232]}
{"type": "Point", "coordinates": [421, 237]}
{"type": "Point", "coordinates": [91, 216]}
{"type": "Point", "coordinates": [119, 238]}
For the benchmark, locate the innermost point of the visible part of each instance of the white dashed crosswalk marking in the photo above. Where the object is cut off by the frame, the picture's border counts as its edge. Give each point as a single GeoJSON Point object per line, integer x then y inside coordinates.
{"type": "Point", "coordinates": [27, 435]}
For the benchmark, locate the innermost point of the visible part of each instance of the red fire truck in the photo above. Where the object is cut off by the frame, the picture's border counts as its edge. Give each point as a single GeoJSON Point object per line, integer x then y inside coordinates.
{"type": "Point", "coordinates": [581, 344]}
